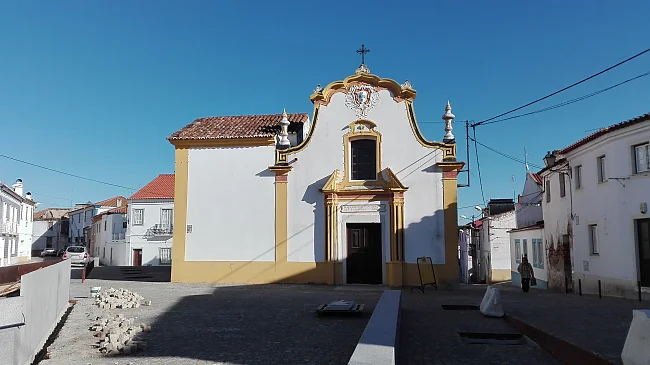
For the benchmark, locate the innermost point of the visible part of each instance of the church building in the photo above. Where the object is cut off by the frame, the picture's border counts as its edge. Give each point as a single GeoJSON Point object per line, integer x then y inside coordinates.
{"type": "Point", "coordinates": [352, 194]}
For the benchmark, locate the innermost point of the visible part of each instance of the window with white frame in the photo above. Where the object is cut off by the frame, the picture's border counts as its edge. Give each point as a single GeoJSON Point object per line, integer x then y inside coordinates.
{"type": "Point", "coordinates": [538, 253]}
{"type": "Point", "coordinates": [593, 239]}
{"type": "Point", "coordinates": [578, 176]}
{"type": "Point", "coordinates": [138, 217]}
{"type": "Point", "coordinates": [524, 247]}
{"type": "Point", "coordinates": [562, 185]}
{"type": "Point", "coordinates": [642, 158]}
{"type": "Point", "coordinates": [600, 165]}
{"type": "Point", "coordinates": [517, 251]}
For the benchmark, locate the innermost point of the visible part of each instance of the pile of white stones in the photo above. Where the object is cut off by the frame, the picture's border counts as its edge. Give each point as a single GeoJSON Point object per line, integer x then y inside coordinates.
{"type": "Point", "coordinates": [113, 298]}
{"type": "Point", "coordinates": [118, 335]}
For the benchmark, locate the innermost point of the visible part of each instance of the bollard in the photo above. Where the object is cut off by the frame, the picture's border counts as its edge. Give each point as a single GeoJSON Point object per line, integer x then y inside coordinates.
{"type": "Point", "coordinates": [600, 293]}
{"type": "Point", "coordinates": [639, 289]}
{"type": "Point", "coordinates": [83, 274]}
{"type": "Point", "coordinates": [580, 286]}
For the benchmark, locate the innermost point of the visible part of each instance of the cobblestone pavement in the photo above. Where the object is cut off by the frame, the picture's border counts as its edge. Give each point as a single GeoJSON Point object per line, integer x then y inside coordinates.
{"type": "Point", "coordinates": [429, 334]}
{"type": "Point", "coordinates": [599, 325]}
{"type": "Point", "coordinates": [239, 325]}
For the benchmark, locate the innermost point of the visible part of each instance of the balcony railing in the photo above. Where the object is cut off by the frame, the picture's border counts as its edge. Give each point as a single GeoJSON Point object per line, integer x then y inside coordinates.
{"type": "Point", "coordinates": [159, 231]}
{"type": "Point", "coordinates": [9, 227]}
{"type": "Point", "coordinates": [165, 255]}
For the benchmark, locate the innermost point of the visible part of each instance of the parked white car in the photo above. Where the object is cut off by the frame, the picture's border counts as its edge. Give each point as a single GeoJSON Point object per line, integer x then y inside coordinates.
{"type": "Point", "coordinates": [78, 255]}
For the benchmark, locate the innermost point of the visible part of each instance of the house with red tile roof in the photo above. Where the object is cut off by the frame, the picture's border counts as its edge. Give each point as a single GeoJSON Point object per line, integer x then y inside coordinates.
{"type": "Point", "coordinates": [595, 208]}
{"type": "Point", "coordinates": [50, 229]}
{"type": "Point", "coordinates": [150, 225]}
{"type": "Point", "coordinates": [81, 220]}
{"type": "Point", "coordinates": [352, 193]}
{"type": "Point", "coordinates": [108, 235]}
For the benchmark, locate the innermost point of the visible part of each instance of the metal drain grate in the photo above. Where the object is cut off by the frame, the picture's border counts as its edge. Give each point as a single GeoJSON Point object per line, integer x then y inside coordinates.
{"type": "Point", "coordinates": [492, 338]}
{"type": "Point", "coordinates": [460, 307]}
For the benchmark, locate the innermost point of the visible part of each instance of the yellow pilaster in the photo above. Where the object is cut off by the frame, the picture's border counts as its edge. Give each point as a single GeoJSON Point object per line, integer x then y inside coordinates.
{"type": "Point", "coordinates": [180, 212]}
{"type": "Point", "coordinates": [281, 212]}
{"type": "Point", "coordinates": [395, 266]}
{"type": "Point", "coordinates": [448, 273]}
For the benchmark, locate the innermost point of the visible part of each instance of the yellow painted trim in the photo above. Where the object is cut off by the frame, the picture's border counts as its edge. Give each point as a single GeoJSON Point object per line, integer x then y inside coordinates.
{"type": "Point", "coordinates": [360, 129]}
{"type": "Point", "coordinates": [282, 155]}
{"type": "Point", "coordinates": [448, 149]}
{"type": "Point", "coordinates": [336, 184]}
{"type": "Point", "coordinates": [180, 212]}
{"type": "Point", "coordinates": [281, 214]}
{"type": "Point", "coordinates": [223, 142]}
{"type": "Point", "coordinates": [399, 93]}
{"type": "Point", "coordinates": [448, 272]}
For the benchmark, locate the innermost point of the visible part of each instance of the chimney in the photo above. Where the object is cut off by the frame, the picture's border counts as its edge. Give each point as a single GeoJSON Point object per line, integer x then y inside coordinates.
{"type": "Point", "coordinates": [18, 187]}
{"type": "Point", "coordinates": [28, 196]}
{"type": "Point", "coordinates": [119, 202]}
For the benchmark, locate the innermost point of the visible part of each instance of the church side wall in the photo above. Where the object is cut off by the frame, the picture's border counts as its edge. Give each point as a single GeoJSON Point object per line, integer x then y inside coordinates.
{"type": "Point", "coordinates": [410, 161]}
{"type": "Point", "coordinates": [230, 205]}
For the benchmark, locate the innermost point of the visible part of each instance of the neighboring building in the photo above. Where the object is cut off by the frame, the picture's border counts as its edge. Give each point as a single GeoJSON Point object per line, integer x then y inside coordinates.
{"type": "Point", "coordinates": [598, 203]}
{"type": "Point", "coordinates": [529, 203]}
{"type": "Point", "coordinates": [528, 241]}
{"type": "Point", "coordinates": [50, 229]}
{"type": "Point", "coordinates": [108, 234]}
{"type": "Point", "coordinates": [16, 224]}
{"type": "Point", "coordinates": [151, 223]}
{"type": "Point", "coordinates": [358, 200]}
{"type": "Point", "coordinates": [494, 240]}
{"type": "Point", "coordinates": [81, 219]}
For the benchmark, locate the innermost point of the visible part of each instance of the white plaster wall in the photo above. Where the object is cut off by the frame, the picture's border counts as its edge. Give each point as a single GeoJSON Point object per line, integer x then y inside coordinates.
{"type": "Point", "coordinates": [529, 214]}
{"type": "Point", "coordinates": [135, 233]}
{"type": "Point", "coordinates": [540, 273]}
{"type": "Point", "coordinates": [81, 219]}
{"type": "Point", "coordinates": [409, 160]}
{"type": "Point", "coordinates": [25, 230]}
{"type": "Point", "coordinates": [499, 238]}
{"type": "Point", "coordinates": [113, 233]}
{"type": "Point", "coordinates": [231, 204]}
{"type": "Point", "coordinates": [612, 205]}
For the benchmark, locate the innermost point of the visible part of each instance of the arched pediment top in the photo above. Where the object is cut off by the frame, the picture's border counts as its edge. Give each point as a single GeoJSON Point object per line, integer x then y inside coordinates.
{"type": "Point", "coordinates": [361, 125]}
{"type": "Point", "coordinates": [399, 92]}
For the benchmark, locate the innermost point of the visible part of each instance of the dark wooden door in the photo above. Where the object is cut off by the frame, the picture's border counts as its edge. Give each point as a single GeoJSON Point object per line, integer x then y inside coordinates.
{"type": "Point", "coordinates": [137, 257]}
{"type": "Point", "coordinates": [364, 262]}
{"type": "Point", "coordinates": [643, 239]}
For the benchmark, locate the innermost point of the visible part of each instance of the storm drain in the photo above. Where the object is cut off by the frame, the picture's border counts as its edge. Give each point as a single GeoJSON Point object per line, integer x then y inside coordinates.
{"type": "Point", "coordinates": [492, 338]}
{"type": "Point", "coordinates": [460, 307]}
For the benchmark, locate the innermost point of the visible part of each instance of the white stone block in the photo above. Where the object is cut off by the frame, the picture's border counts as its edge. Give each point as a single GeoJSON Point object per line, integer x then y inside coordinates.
{"type": "Point", "coordinates": [636, 350]}
{"type": "Point", "coordinates": [491, 305]}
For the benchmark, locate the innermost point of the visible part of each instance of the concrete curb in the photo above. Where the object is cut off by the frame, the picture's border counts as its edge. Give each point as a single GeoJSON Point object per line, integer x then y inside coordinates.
{"type": "Point", "coordinates": [562, 350]}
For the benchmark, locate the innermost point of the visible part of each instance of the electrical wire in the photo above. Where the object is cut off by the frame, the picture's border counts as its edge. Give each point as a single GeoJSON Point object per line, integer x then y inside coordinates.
{"type": "Point", "coordinates": [563, 89]}
{"type": "Point", "coordinates": [505, 155]}
{"type": "Point", "coordinates": [478, 166]}
{"type": "Point", "coordinates": [568, 102]}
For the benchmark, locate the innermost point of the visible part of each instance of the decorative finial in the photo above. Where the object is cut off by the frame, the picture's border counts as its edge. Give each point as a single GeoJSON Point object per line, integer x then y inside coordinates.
{"type": "Point", "coordinates": [407, 85]}
{"type": "Point", "coordinates": [318, 89]}
{"type": "Point", "coordinates": [448, 117]}
{"type": "Point", "coordinates": [363, 69]}
{"type": "Point", "coordinates": [283, 136]}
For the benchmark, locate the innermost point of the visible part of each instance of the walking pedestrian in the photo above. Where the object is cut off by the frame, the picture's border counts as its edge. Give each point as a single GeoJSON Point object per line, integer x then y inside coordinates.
{"type": "Point", "coordinates": [525, 269]}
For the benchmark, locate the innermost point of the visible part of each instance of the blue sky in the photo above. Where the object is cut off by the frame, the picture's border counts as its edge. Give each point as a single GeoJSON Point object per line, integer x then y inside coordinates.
{"type": "Point", "coordinates": [94, 88]}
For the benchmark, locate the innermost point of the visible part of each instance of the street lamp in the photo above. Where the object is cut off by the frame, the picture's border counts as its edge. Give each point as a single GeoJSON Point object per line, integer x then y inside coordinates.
{"type": "Point", "coordinates": [549, 159]}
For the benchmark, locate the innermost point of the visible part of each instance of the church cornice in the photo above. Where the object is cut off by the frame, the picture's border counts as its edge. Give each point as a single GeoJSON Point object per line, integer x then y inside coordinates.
{"type": "Point", "coordinates": [400, 92]}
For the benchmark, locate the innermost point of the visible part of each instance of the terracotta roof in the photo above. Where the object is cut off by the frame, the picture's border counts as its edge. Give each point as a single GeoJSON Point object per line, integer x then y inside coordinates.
{"type": "Point", "coordinates": [162, 187]}
{"type": "Point", "coordinates": [537, 178]}
{"type": "Point", "coordinates": [51, 213]}
{"type": "Point", "coordinates": [239, 126]}
{"type": "Point", "coordinates": [112, 202]}
{"type": "Point", "coordinates": [601, 132]}
{"type": "Point", "coordinates": [120, 210]}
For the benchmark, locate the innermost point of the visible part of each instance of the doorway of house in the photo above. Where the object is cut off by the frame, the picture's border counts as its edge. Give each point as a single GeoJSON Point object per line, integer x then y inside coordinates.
{"type": "Point", "coordinates": [364, 262]}
{"type": "Point", "coordinates": [137, 257]}
{"type": "Point", "coordinates": [643, 240]}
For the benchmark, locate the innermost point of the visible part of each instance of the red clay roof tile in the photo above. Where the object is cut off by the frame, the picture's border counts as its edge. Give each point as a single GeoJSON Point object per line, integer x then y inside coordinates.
{"type": "Point", "coordinates": [239, 126]}
{"type": "Point", "coordinates": [601, 132]}
{"type": "Point", "coordinates": [162, 187]}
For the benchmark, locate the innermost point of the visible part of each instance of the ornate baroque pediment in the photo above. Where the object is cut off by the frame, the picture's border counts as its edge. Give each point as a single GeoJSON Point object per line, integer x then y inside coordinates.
{"type": "Point", "coordinates": [388, 182]}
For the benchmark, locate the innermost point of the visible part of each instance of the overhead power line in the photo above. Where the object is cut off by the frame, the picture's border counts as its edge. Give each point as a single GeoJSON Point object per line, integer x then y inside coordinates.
{"type": "Point", "coordinates": [563, 89]}
{"type": "Point", "coordinates": [568, 102]}
{"type": "Point", "coordinates": [506, 155]}
{"type": "Point", "coordinates": [478, 166]}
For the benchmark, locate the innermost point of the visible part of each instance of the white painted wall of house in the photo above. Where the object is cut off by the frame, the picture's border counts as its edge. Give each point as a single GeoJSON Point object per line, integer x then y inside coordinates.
{"type": "Point", "coordinates": [26, 231]}
{"type": "Point", "coordinates": [529, 214]}
{"type": "Point", "coordinates": [111, 234]}
{"type": "Point", "coordinates": [230, 204]}
{"type": "Point", "coordinates": [613, 206]}
{"type": "Point", "coordinates": [135, 233]}
{"type": "Point", "coordinates": [410, 161]}
{"type": "Point", "coordinates": [40, 232]}
{"type": "Point", "coordinates": [541, 273]}
{"type": "Point", "coordinates": [10, 209]}
{"type": "Point", "coordinates": [495, 231]}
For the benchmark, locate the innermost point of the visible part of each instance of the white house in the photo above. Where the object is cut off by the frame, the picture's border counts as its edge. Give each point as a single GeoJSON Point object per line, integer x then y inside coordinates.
{"type": "Point", "coordinates": [16, 224]}
{"type": "Point", "coordinates": [81, 219]}
{"type": "Point", "coordinates": [109, 237]}
{"type": "Point", "coordinates": [358, 200]}
{"type": "Point", "coordinates": [603, 202]}
{"type": "Point", "coordinates": [494, 240]}
{"type": "Point", "coordinates": [50, 229]}
{"type": "Point", "coordinates": [527, 239]}
{"type": "Point", "coordinates": [150, 229]}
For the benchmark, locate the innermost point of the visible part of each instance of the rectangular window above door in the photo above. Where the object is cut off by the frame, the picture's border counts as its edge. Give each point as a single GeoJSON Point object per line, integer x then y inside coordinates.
{"type": "Point", "coordinates": [363, 159]}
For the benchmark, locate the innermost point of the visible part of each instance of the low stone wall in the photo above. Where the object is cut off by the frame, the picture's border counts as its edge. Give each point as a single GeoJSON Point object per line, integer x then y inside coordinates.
{"type": "Point", "coordinates": [378, 344]}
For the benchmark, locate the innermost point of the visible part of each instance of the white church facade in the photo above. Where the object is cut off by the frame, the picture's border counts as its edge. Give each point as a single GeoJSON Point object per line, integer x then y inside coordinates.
{"type": "Point", "coordinates": [354, 194]}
